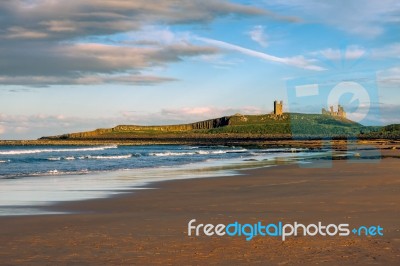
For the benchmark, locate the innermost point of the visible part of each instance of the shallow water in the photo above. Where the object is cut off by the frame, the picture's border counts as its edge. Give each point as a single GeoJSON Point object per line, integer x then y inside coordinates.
{"type": "Point", "coordinates": [33, 177]}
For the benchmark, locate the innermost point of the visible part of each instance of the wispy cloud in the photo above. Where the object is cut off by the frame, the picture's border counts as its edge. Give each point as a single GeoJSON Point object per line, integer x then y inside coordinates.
{"type": "Point", "coordinates": [257, 34]}
{"type": "Point", "coordinates": [297, 61]}
{"type": "Point", "coordinates": [391, 51]}
{"type": "Point", "coordinates": [349, 53]}
{"type": "Point", "coordinates": [192, 114]}
{"type": "Point", "coordinates": [389, 77]}
{"type": "Point", "coordinates": [22, 33]}
{"type": "Point", "coordinates": [39, 125]}
{"type": "Point", "coordinates": [365, 18]}
{"type": "Point", "coordinates": [186, 114]}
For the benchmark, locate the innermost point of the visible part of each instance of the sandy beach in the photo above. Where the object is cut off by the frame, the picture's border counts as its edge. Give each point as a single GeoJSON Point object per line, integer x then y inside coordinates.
{"type": "Point", "coordinates": [150, 226]}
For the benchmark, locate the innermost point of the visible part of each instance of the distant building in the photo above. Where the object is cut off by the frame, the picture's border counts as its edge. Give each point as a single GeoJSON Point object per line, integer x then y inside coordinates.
{"type": "Point", "coordinates": [278, 108]}
{"type": "Point", "coordinates": [340, 111]}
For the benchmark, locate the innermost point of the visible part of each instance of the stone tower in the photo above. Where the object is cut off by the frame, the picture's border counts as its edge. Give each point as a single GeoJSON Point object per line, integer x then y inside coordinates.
{"type": "Point", "coordinates": [278, 108]}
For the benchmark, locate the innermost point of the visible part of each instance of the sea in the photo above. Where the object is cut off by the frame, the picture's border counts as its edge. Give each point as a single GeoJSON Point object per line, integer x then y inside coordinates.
{"type": "Point", "coordinates": [33, 177]}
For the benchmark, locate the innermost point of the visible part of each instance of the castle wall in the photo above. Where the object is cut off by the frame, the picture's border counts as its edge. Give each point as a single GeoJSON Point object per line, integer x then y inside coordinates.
{"type": "Point", "coordinates": [340, 111]}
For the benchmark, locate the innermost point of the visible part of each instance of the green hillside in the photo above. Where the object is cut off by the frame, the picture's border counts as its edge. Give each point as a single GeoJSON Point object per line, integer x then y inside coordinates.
{"type": "Point", "coordinates": [386, 132]}
{"type": "Point", "coordinates": [294, 124]}
{"type": "Point", "coordinates": [287, 125]}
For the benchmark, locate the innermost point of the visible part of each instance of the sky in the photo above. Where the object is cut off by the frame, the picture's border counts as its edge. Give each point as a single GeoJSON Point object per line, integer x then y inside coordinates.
{"type": "Point", "coordinates": [69, 66]}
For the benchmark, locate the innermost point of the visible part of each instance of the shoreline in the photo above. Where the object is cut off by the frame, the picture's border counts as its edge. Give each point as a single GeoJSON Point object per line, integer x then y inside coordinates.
{"type": "Point", "coordinates": [114, 182]}
{"type": "Point", "coordinates": [336, 144]}
{"type": "Point", "coordinates": [107, 184]}
{"type": "Point", "coordinates": [149, 227]}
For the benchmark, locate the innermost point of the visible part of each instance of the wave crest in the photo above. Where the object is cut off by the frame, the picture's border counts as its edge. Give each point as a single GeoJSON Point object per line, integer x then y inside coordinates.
{"type": "Point", "coordinates": [32, 151]}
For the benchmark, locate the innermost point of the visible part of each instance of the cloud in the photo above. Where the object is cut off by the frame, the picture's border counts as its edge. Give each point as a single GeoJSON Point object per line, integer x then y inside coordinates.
{"type": "Point", "coordinates": [38, 125]}
{"type": "Point", "coordinates": [296, 61]}
{"type": "Point", "coordinates": [185, 114]}
{"type": "Point", "coordinates": [387, 51]}
{"type": "Point", "coordinates": [389, 114]}
{"type": "Point", "coordinates": [389, 78]}
{"type": "Point", "coordinates": [49, 42]}
{"type": "Point", "coordinates": [380, 114]}
{"type": "Point", "coordinates": [21, 33]}
{"type": "Point", "coordinates": [194, 114]}
{"type": "Point", "coordinates": [95, 79]}
{"type": "Point", "coordinates": [74, 18]}
{"type": "Point", "coordinates": [258, 35]}
{"type": "Point", "coordinates": [361, 17]}
{"type": "Point", "coordinates": [91, 63]}
{"type": "Point", "coordinates": [349, 53]}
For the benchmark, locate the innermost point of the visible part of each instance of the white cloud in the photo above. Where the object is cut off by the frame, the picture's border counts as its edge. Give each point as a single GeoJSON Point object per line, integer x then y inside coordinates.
{"type": "Point", "coordinates": [355, 52]}
{"type": "Point", "coordinates": [296, 61]}
{"type": "Point", "coordinates": [257, 34]}
{"type": "Point", "coordinates": [349, 53]}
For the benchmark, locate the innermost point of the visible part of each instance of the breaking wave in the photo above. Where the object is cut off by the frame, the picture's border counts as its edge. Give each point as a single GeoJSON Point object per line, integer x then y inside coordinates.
{"type": "Point", "coordinates": [105, 157]}
{"type": "Point", "coordinates": [32, 151]}
{"type": "Point", "coordinates": [200, 152]}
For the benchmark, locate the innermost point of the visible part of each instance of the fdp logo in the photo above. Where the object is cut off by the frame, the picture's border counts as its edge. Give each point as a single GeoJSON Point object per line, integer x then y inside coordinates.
{"type": "Point", "coordinates": [341, 95]}
{"type": "Point", "coordinates": [346, 99]}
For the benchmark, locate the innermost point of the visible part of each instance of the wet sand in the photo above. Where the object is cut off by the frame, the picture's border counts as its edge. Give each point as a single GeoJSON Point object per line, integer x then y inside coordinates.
{"type": "Point", "coordinates": [150, 226]}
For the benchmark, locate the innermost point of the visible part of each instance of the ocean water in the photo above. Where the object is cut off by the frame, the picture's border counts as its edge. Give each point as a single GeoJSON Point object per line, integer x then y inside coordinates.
{"type": "Point", "coordinates": [32, 177]}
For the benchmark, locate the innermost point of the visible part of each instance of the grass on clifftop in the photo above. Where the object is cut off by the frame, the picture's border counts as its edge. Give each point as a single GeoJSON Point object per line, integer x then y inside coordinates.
{"type": "Point", "coordinates": [288, 124]}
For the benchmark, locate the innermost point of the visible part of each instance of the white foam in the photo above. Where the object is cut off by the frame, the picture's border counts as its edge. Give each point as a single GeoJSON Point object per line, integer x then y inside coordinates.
{"type": "Point", "coordinates": [284, 150]}
{"type": "Point", "coordinates": [54, 158]}
{"type": "Point", "coordinates": [236, 151]}
{"type": "Point", "coordinates": [32, 151]}
{"type": "Point", "coordinates": [171, 153]}
{"type": "Point", "coordinates": [218, 152]}
{"type": "Point", "coordinates": [54, 172]}
{"type": "Point", "coordinates": [203, 152]}
{"type": "Point", "coordinates": [108, 157]}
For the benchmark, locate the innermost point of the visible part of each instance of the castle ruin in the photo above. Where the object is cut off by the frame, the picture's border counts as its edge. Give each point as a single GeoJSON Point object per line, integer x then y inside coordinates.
{"type": "Point", "coordinates": [340, 111]}
{"type": "Point", "coordinates": [278, 108]}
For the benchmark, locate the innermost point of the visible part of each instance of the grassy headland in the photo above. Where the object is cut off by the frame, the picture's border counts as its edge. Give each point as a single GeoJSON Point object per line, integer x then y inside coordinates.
{"type": "Point", "coordinates": [266, 129]}
{"type": "Point", "coordinates": [268, 126]}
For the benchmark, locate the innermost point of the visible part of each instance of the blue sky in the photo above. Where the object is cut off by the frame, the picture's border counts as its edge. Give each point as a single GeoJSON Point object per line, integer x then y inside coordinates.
{"type": "Point", "coordinates": [68, 66]}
